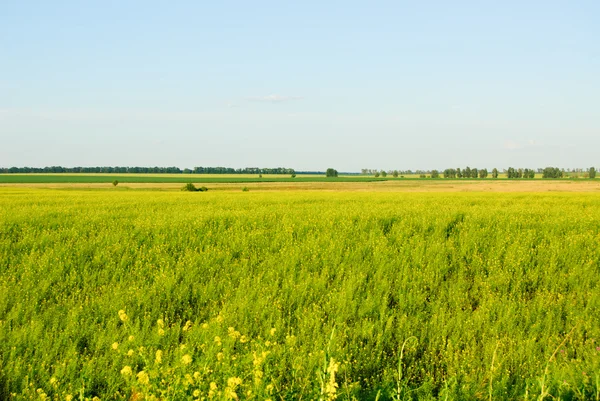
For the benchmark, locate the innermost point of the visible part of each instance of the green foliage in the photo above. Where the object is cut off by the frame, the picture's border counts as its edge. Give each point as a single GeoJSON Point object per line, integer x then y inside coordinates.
{"type": "Point", "coordinates": [513, 173]}
{"type": "Point", "coordinates": [435, 174]}
{"type": "Point", "coordinates": [294, 295]}
{"type": "Point", "coordinates": [383, 173]}
{"type": "Point", "coordinates": [552, 172]}
{"type": "Point", "coordinates": [115, 183]}
{"type": "Point", "coordinates": [494, 172]}
{"type": "Point", "coordinates": [189, 187]}
{"type": "Point", "coordinates": [592, 172]}
{"type": "Point", "coordinates": [395, 174]}
{"type": "Point", "coordinates": [331, 172]}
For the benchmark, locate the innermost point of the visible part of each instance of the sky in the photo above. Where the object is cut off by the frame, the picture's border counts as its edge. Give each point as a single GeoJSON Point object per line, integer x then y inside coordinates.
{"type": "Point", "coordinates": [307, 85]}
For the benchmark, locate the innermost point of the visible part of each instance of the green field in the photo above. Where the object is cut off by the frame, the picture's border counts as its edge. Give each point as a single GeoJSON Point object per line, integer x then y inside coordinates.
{"type": "Point", "coordinates": [68, 178]}
{"type": "Point", "coordinates": [289, 295]}
{"type": "Point", "coordinates": [169, 178]}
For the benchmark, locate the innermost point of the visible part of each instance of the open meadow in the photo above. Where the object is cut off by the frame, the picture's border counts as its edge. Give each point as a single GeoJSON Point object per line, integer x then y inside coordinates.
{"type": "Point", "coordinates": [442, 290]}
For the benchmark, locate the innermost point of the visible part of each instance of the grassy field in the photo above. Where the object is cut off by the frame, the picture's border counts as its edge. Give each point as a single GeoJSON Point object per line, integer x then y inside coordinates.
{"type": "Point", "coordinates": [288, 295]}
{"type": "Point", "coordinates": [66, 178]}
{"type": "Point", "coordinates": [169, 178]}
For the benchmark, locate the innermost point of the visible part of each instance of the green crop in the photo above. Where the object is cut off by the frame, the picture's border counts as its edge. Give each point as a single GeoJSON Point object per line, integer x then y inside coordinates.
{"type": "Point", "coordinates": [298, 295]}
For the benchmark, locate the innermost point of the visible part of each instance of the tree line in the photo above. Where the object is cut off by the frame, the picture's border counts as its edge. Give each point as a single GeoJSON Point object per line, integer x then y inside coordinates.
{"type": "Point", "coordinates": [474, 173]}
{"type": "Point", "coordinates": [147, 170]}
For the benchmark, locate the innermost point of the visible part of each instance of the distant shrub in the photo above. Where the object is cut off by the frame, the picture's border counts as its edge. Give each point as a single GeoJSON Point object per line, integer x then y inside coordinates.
{"type": "Point", "coordinates": [115, 183]}
{"type": "Point", "coordinates": [245, 189]}
{"type": "Point", "coordinates": [192, 188]}
{"type": "Point", "coordinates": [294, 175]}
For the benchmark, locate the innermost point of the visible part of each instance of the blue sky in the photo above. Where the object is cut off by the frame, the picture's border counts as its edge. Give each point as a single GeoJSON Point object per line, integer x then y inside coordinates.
{"type": "Point", "coordinates": [308, 85]}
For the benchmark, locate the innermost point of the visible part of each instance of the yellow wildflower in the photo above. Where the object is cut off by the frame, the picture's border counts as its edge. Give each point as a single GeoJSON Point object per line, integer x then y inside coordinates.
{"type": "Point", "coordinates": [126, 371]}
{"type": "Point", "coordinates": [123, 315]}
{"type": "Point", "coordinates": [196, 393]}
{"type": "Point", "coordinates": [187, 326]}
{"type": "Point", "coordinates": [213, 389]}
{"type": "Point", "coordinates": [161, 332]}
{"type": "Point", "coordinates": [220, 319]}
{"type": "Point", "coordinates": [233, 333]}
{"type": "Point", "coordinates": [160, 323]}
{"type": "Point", "coordinates": [158, 356]}
{"type": "Point", "coordinates": [219, 356]}
{"type": "Point", "coordinates": [243, 339]}
{"type": "Point", "coordinates": [115, 345]}
{"type": "Point", "coordinates": [205, 326]}
{"type": "Point", "coordinates": [131, 338]}
{"type": "Point", "coordinates": [68, 397]}
{"type": "Point", "coordinates": [186, 359]}
{"type": "Point", "coordinates": [218, 340]}
{"type": "Point", "coordinates": [130, 352]}
{"type": "Point", "coordinates": [143, 377]}
{"type": "Point", "coordinates": [331, 386]}
{"type": "Point", "coordinates": [272, 331]}
{"type": "Point", "coordinates": [234, 381]}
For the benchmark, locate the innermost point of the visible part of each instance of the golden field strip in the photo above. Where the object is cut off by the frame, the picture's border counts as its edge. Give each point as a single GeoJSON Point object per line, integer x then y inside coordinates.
{"type": "Point", "coordinates": [391, 290]}
{"type": "Point", "coordinates": [440, 185]}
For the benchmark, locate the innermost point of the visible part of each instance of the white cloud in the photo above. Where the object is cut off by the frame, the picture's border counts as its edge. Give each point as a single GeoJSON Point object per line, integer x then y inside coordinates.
{"type": "Point", "coordinates": [512, 145]}
{"type": "Point", "coordinates": [273, 98]}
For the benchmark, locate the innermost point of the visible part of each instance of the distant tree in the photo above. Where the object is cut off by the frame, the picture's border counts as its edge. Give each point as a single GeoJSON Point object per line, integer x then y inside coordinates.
{"type": "Point", "coordinates": [395, 174]}
{"type": "Point", "coordinates": [294, 175]}
{"type": "Point", "coordinates": [450, 173]}
{"type": "Point", "coordinates": [528, 173]}
{"type": "Point", "coordinates": [494, 172]}
{"type": "Point", "coordinates": [383, 174]}
{"type": "Point", "coordinates": [459, 173]}
{"type": "Point", "coordinates": [331, 172]}
{"type": "Point", "coordinates": [467, 172]}
{"type": "Point", "coordinates": [511, 173]}
{"type": "Point", "coordinates": [115, 183]}
{"type": "Point", "coordinates": [592, 172]}
{"type": "Point", "coordinates": [552, 172]}
{"type": "Point", "coordinates": [376, 174]}
{"type": "Point", "coordinates": [435, 174]}
{"type": "Point", "coordinates": [483, 173]}
{"type": "Point", "coordinates": [474, 173]}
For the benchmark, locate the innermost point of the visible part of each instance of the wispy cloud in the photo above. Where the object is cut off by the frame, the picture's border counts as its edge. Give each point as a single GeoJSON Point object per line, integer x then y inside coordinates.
{"type": "Point", "coordinates": [513, 145]}
{"type": "Point", "coordinates": [273, 98]}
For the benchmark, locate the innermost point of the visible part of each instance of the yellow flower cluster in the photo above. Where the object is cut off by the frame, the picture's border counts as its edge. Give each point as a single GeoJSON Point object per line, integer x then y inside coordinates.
{"type": "Point", "coordinates": [123, 315]}
{"type": "Point", "coordinates": [331, 386]}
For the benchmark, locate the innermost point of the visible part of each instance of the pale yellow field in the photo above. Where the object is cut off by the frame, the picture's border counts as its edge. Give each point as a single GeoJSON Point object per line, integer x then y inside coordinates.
{"type": "Point", "coordinates": [378, 186]}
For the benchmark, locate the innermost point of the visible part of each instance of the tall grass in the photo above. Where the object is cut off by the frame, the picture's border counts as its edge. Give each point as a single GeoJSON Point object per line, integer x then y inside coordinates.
{"type": "Point", "coordinates": [287, 295]}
